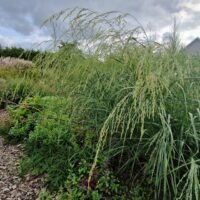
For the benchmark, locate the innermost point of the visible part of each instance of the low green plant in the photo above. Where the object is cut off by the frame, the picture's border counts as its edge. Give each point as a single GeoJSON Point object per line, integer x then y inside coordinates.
{"type": "Point", "coordinates": [44, 195]}
{"type": "Point", "coordinates": [104, 184]}
{"type": "Point", "coordinates": [24, 118]}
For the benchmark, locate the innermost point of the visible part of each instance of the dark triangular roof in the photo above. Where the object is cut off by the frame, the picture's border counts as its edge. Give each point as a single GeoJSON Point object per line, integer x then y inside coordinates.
{"type": "Point", "coordinates": [193, 48]}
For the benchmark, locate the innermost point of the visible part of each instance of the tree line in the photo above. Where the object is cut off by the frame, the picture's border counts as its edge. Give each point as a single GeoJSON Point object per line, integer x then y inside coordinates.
{"type": "Point", "coordinates": [18, 52]}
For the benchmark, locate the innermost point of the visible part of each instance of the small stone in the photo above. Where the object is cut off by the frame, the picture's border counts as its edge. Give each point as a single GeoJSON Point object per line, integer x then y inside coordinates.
{"type": "Point", "coordinates": [5, 190]}
{"type": "Point", "coordinates": [2, 167]}
{"type": "Point", "coordinates": [14, 187]}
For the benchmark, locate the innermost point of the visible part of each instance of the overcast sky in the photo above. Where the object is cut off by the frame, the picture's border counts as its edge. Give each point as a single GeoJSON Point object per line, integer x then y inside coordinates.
{"type": "Point", "coordinates": [21, 20]}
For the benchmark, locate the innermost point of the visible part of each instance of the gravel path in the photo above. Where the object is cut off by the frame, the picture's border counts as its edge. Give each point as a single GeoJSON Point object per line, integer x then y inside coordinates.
{"type": "Point", "coordinates": [13, 187]}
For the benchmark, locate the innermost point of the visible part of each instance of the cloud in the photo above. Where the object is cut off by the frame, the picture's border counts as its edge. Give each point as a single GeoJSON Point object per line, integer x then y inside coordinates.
{"type": "Point", "coordinates": [24, 18]}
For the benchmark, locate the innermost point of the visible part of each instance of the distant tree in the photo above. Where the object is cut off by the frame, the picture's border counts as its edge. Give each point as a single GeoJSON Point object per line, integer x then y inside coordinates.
{"type": "Point", "coordinates": [18, 53]}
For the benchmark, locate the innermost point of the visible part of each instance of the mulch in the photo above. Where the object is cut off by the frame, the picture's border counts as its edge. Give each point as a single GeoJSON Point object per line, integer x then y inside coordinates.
{"type": "Point", "coordinates": [13, 187]}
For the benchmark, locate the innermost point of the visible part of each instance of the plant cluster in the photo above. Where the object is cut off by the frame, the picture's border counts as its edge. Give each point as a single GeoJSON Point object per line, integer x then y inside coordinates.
{"type": "Point", "coordinates": [119, 121]}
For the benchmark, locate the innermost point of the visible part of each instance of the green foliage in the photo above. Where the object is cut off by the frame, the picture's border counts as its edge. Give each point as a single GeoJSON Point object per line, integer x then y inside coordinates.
{"type": "Point", "coordinates": [24, 118]}
{"type": "Point", "coordinates": [44, 195]}
{"type": "Point", "coordinates": [46, 132]}
{"type": "Point", "coordinates": [103, 185]}
{"type": "Point", "coordinates": [17, 84]}
{"type": "Point", "coordinates": [3, 130]}
{"type": "Point", "coordinates": [55, 148]}
{"type": "Point", "coordinates": [18, 53]}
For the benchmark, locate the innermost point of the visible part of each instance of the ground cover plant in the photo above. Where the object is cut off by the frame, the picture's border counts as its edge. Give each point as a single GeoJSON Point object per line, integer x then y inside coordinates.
{"type": "Point", "coordinates": [117, 119]}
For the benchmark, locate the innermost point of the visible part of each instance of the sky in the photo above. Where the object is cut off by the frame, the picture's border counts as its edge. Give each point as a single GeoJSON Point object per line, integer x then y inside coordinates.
{"type": "Point", "coordinates": [21, 20]}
